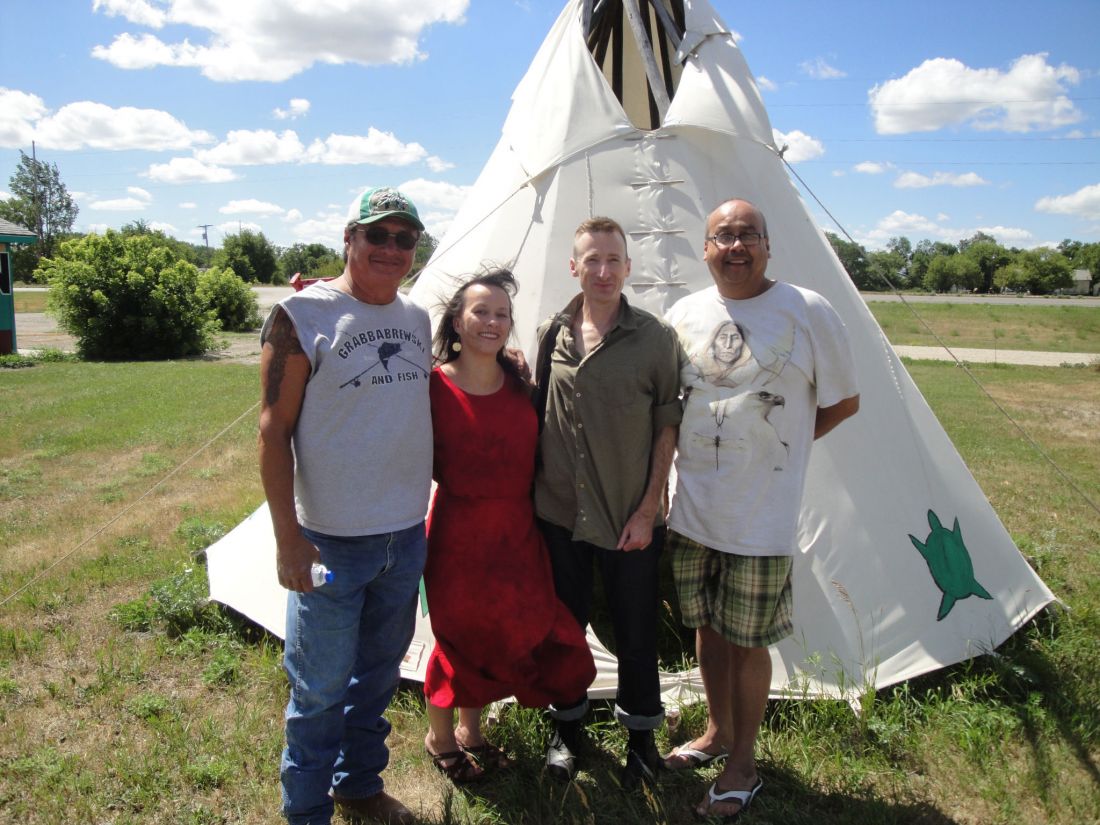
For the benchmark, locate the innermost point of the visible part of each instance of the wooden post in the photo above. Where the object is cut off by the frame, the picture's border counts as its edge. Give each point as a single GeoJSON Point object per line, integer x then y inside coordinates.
{"type": "Point", "coordinates": [656, 82]}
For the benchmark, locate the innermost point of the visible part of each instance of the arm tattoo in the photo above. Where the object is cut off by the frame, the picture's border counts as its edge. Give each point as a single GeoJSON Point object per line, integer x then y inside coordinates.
{"type": "Point", "coordinates": [284, 343]}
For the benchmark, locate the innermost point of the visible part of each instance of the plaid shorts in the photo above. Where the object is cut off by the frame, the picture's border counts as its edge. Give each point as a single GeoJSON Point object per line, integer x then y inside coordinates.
{"type": "Point", "coordinates": [747, 599]}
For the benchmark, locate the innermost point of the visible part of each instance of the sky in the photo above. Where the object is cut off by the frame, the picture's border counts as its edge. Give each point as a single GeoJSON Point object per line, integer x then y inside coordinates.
{"type": "Point", "coordinates": [932, 120]}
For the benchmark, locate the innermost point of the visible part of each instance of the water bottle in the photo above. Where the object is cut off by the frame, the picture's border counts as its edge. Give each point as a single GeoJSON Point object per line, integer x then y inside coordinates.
{"type": "Point", "coordinates": [321, 575]}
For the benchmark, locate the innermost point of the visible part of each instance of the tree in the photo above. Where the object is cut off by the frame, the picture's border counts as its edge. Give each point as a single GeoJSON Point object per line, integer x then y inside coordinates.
{"type": "Point", "coordinates": [127, 298]}
{"type": "Point", "coordinates": [952, 271]}
{"type": "Point", "coordinates": [230, 299]}
{"type": "Point", "coordinates": [1085, 256]}
{"type": "Point", "coordinates": [889, 268]}
{"type": "Point", "coordinates": [250, 255]}
{"type": "Point", "coordinates": [40, 202]}
{"type": "Point", "coordinates": [307, 259]}
{"type": "Point", "coordinates": [987, 254]}
{"type": "Point", "coordinates": [1038, 271]}
{"type": "Point", "coordinates": [424, 251]}
{"type": "Point", "coordinates": [853, 258]}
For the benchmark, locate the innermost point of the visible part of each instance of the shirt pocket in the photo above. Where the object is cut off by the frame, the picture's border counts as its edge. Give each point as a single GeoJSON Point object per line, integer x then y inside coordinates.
{"type": "Point", "coordinates": [624, 389]}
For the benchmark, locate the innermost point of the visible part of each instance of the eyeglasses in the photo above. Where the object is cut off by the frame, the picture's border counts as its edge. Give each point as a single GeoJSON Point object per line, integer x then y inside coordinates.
{"type": "Point", "coordinates": [377, 236]}
{"type": "Point", "coordinates": [727, 239]}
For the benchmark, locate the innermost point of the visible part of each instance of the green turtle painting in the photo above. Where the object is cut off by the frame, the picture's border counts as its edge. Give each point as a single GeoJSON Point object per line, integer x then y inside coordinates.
{"type": "Point", "coordinates": [949, 563]}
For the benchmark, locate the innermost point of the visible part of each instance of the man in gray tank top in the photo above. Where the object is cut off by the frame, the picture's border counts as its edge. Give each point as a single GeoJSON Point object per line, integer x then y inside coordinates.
{"type": "Point", "coordinates": [346, 461]}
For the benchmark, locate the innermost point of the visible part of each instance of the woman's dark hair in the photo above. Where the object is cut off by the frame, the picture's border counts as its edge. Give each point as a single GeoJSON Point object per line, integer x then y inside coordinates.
{"type": "Point", "coordinates": [445, 334]}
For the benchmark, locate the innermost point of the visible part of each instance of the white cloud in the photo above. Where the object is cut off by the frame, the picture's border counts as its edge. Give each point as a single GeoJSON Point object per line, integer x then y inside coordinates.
{"type": "Point", "coordinates": [429, 194]}
{"type": "Point", "coordinates": [1005, 235]}
{"type": "Point", "coordinates": [326, 228]}
{"type": "Point", "coordinates": [292, 215]}
{"type": "Point", "coordinates": [1084, 203]}
{"type": "Point", "coordinates": [188, 205]}
{"type": "Point", "coordinates": [251, 207]}
{"type": "Point", "coordinates": [944, 92]}
{"type": "Point", "coordinates": [377, 147]}
{"type": "Point", "coordinates": [166, 228]}
{"type": "Point", "coordinates": [138, 200]}
{"type": "Point", "coordinates": [870, 167]}
{"type": "Point", "coordinates": [97, 228]}
{"type": "Point", "coordinates": [188, 170]}
{"type": "Point", "coordinates": [18, 113]}
{"type": "Point", "coordinates": [915, 180]}
{"type": "Point", "coordinates": [819, 69]}
{"type": "Point", "coordinates": [136, 11]}
{"type": "Point", "coordinates": [800, 146]}
{"type": "Point", "coordinates": [437, 164]}
{"type": "Point", "coordinates": [86, 124]}
{"type": "Point", "coordinates": [277, 39]}
{"type": "Point", "coordinates": [243, 147]}
{"type": "Point", "coordinates": [767, 85]}
{"type": "Point", "coordinates": [235, 227]}
{"type": "Point", "coordinates": [297, 108]}
{"type": "Point", "coordinates": [918, 227]}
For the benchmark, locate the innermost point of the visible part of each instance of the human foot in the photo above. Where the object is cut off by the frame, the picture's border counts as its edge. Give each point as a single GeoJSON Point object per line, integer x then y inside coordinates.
{"type": "Point", "coordinates": [728, 805]}
{"type": "Point", "coordinates": [689, 757]}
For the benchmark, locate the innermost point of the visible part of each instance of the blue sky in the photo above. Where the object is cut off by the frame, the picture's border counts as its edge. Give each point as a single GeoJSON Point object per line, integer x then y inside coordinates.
{"type": "Point", "coordinates": [930, 120]}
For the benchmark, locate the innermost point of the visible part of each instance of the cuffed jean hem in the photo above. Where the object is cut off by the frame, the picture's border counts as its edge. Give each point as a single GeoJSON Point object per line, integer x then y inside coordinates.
{"type": "Point", "coordinates": [570, 714]}
{"type": "Point", "coordinates": [632, 721]}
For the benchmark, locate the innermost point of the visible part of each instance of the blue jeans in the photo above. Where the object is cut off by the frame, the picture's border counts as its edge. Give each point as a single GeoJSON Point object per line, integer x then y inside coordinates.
{"type": "Point", "coordinates": [344, 645]}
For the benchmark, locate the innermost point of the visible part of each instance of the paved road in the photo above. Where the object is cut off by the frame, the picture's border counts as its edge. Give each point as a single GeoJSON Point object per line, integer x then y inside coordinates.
{"type": "Point", "coordinates": [1000, 356]}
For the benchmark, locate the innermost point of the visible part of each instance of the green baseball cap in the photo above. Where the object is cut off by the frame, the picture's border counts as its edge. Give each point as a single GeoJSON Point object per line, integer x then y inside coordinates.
{"type": "Point", "coordinates": [382, 202]}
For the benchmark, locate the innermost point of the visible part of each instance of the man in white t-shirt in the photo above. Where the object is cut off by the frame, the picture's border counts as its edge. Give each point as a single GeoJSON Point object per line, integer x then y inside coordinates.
{"type": "Point", "coordinates": [769, 370]}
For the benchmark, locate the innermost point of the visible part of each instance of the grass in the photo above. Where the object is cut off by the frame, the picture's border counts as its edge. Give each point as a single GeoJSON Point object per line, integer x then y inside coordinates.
{"type": "Point", "coordinates": [126, 698]}
{"type": "Point", "coordinates": [30, 301]}
{"type": "Point", "coordinates": [1055, 328]}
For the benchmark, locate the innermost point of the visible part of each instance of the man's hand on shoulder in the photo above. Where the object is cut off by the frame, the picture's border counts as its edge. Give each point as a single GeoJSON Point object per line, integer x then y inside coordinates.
{"type": "Point", "coordinates": [519, 361]}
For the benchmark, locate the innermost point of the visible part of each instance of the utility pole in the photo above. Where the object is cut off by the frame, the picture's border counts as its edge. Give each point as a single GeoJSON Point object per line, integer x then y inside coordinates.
{"type": "Point", "coordinates": [204, 227]}
{"type": "Point", "coordinates": [37, 199]}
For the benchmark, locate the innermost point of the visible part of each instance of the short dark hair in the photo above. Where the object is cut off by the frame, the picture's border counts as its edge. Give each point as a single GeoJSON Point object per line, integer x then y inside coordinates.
{"type": "Point", "coordinates": [599, 224]}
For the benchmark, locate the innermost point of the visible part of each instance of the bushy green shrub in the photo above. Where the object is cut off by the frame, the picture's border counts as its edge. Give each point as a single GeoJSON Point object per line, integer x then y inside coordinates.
{"type": "Point", "coordinates": [127, 298]}
{"type": "Point", "coordinates": [230, 298]}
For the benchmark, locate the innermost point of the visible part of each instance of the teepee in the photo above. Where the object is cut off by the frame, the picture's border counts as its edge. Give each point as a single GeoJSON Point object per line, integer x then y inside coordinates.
{"type": "Point", "coordinates": [645, 110]}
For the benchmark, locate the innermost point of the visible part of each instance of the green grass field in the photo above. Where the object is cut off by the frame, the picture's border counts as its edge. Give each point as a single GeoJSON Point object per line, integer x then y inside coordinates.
{"type": "Point", "coordinates": [1054, 328]}
{"type": "Point", "coordinates": [125, 698]}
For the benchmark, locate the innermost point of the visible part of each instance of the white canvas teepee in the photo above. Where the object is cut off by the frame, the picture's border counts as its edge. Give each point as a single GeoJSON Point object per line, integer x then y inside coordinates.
{"type": "Point", "coordinates": [904, 566]}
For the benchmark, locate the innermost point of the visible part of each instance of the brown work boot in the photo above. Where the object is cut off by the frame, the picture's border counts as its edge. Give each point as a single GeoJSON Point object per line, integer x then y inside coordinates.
{"type": "Point", "coordinates": [378, 808]}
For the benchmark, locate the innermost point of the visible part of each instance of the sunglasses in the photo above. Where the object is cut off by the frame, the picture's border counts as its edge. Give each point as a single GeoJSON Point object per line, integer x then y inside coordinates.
{"type": "Point", "coordinates": [377, 236]}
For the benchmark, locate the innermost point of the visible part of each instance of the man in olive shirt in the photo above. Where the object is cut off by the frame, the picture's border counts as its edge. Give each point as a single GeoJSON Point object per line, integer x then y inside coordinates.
{"type": "Point", "coordinates": [611, 419]}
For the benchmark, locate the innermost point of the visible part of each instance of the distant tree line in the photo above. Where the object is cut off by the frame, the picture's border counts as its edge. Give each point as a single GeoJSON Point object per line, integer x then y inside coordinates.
{"type": "Point", "coordinates": [975, 264]}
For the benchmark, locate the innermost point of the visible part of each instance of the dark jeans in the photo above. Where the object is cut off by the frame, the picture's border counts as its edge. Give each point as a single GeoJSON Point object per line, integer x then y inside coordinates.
{"type": "Point", "coordinates": [630, 584]}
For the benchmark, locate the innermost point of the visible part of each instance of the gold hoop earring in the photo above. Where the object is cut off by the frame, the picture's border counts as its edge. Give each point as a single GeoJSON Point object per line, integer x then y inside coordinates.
{"type": "Point", "coordinates": [457, 346]}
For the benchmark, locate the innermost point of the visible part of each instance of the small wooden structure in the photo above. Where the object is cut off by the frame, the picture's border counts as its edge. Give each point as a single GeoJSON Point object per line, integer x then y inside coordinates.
{"type": "Point", "coordinates": [10, 233]}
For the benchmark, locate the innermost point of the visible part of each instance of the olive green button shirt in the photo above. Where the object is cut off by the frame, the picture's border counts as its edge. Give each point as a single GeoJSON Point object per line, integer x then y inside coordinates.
{"type": "Point", "coordinates": [602, 413]}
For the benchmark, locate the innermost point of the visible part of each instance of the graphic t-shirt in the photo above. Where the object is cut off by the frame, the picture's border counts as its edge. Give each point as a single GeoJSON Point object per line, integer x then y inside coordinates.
{"type": "Point", "coordinates": [363, 445]}
{"type": "Point", "coordinates": [757, 371]}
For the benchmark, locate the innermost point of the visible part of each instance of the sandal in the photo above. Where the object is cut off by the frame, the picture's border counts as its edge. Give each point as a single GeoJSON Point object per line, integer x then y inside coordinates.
{"type": "Point", "coordinates": [458, 766]}
{"type": "Point", "coordinates": [488, 756]}
{"type": "Point", "coordinates": [744, 797]}
{"type": "Point", "coordinates": [686, 757]}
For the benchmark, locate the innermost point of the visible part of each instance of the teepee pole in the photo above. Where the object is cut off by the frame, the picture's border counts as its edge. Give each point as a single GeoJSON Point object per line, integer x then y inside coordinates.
{"type": "Point", "coordinates": [656, 82]}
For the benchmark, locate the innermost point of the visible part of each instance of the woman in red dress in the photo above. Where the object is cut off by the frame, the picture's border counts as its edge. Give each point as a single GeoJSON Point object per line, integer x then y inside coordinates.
{"type": "Point", "coordinates": [499, 628]}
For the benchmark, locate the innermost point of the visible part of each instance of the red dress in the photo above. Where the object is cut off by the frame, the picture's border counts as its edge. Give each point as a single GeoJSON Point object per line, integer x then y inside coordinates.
{"type": "Point", "coordinates": [499, 628]}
